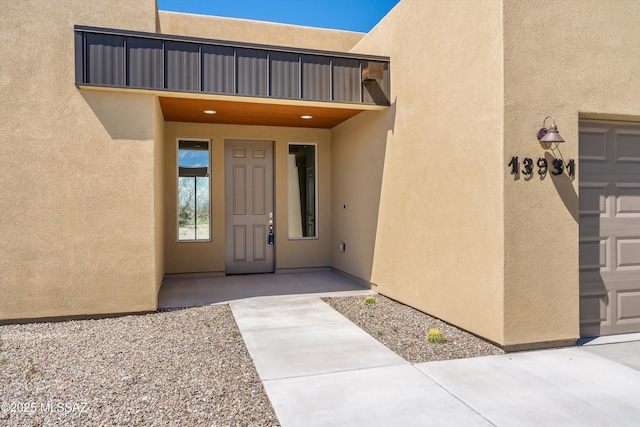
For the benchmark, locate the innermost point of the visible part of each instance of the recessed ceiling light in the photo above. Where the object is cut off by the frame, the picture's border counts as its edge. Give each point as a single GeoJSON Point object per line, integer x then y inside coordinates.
{"type": "Point", "coordinates": [306, 117]}
{"type": "Point", "coordinates": [209, 111]}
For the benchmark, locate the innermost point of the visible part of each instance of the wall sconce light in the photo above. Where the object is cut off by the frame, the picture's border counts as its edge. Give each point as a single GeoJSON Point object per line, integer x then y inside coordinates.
{"type": "Point", "coordinates": [551, 134]}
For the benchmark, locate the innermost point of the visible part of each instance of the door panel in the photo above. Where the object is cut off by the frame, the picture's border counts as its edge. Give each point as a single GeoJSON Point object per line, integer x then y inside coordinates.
{"type": "Point", "coordinates": [609, 228]}
{"type": "Point", "coordinates": [259, 190]}
{"type": "Point", "coordinates": [239, 189]}
{"type": "Point", "coordinates": [249, 201]}
{"type": "Point", "coordinates": [239, 243]}
{"type": "Point", "coordinates": [259, 242]}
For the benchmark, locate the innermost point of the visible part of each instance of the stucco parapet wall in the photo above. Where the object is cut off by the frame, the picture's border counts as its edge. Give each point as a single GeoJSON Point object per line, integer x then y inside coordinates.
{"type": "Point", "coordinates": [249, 31]}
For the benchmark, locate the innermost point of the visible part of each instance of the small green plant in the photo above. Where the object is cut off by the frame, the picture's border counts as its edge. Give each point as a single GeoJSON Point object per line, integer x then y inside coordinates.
{"type": "Point", "coordinates": [207, 324]}
{"type": "Point", "coordinates": [30, 360]}
{"type": "Point", "coordinates": [380, 333]}
{"type": "Point", "coordinates": [369, 300]}
{"type": "Point", "coordinates": [196, 305]}
{"type": "Point", "coordinates": [395, 329]}
{"type": "Point", "coordinates": [435, 337]}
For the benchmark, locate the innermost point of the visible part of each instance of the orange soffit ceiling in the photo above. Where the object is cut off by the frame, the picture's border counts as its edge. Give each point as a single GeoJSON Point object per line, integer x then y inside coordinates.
{"type": "Point", "coordinates": [258, 114]}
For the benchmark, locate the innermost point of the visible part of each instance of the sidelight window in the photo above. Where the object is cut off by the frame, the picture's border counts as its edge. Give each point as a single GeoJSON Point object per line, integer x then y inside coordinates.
{"type": "Point", "coordinates": [302, 191]}
{"type": "Point", "coordinates": [194, 204]}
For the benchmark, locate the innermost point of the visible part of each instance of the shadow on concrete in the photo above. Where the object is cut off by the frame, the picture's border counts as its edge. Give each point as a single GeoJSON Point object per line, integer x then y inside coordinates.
{"type": "Point", "coordinates": [188, 290]}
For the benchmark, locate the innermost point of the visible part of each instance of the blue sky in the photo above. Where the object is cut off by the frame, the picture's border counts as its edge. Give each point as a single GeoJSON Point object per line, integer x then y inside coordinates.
{"type": "Point", "coordinates": [193, 158]}
{"type": "Point", "coordinates": [351, 15]}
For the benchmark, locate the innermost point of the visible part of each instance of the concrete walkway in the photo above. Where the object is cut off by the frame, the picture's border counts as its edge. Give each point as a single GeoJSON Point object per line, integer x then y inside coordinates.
{"type": "Point", "coordinates": [319, 369]}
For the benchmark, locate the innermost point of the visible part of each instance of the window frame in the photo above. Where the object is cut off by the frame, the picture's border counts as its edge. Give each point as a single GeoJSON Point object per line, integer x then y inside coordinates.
{"type": "Point", "coordinates": [177, 188]}
{"type": "Point", "coordinates": [316, 195]}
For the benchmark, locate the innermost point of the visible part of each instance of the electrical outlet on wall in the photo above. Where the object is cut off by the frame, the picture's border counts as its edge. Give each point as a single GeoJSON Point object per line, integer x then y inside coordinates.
{"type": "Point", "coordinates": [343, 247]}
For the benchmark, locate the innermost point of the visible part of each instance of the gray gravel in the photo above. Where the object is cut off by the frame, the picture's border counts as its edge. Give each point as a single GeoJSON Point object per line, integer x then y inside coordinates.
{"type": "Point", "coordinates": [186, 367]}
{"type": "Point", "coordinates": [403, 330]}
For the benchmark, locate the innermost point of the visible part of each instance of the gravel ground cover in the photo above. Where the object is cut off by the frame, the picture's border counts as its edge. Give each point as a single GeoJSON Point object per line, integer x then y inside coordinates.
{"type": "Point", "coordinates": [179, 368]}
{"type": "Point", "coordinates": [403, 330]}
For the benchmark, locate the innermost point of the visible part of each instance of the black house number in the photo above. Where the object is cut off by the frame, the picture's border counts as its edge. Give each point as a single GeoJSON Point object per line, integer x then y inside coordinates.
{"type": "Point", "coordinates": [557, 166]}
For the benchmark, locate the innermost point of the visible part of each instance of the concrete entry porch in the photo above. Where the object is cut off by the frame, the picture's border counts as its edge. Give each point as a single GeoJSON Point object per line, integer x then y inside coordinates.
{"type": "Point", "coordinates": [188, 290]}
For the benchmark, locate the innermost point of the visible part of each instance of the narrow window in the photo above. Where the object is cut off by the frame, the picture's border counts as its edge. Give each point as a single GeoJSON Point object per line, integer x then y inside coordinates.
{"type": "Point", "coordinates": [194, 206]}
{"type": "Point", "coordinates": [302, 191]}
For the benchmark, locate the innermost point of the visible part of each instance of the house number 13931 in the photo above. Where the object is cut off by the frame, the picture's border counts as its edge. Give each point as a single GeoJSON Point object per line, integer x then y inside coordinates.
{"type": "Point", "coordinates": [557, 166]}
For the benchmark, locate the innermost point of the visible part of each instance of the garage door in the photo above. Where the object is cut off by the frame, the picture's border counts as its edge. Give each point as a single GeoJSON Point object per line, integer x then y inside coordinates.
{"type": "Point", "coordinates": [609, 171]}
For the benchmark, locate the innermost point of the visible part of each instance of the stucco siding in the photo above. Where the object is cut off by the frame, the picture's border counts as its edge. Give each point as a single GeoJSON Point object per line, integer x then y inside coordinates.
{"type": "Point", "coordinates": [76, 179]}
{"type": "Point", "coordinates": [248, 31]}
{"type": "Point", "coordinates": [569, 59]}
{"type": "Point", "coordinates": [437, 222]}
{"type": "Point", "coordinates": [357, 163]}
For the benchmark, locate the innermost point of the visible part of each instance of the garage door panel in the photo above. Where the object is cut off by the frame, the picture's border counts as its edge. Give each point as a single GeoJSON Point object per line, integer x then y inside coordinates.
{"type": "Point", "coordinates": [590, 329]}
{"type": "Point", "coordinates": [609, 172]}
{"type": "Point", "coordinates": [617, 328]}
{"type": "Point", "coordinates": [627, 146]}
{"type": "Point", "coordinates": [593, 309]}
{"type": "Point", "coordinates": [628, 254]}
{"type": "Point", "coordinates": [617, 279]}
{"type": "Point", "coordinates": [592, 144]}
{"type": "Point", "coordinates": [592, 284]}
{"type": "Point", "coordinates": [595, 167]}
{"type": "Point", "coordinates": [593, 253]}
{"type": "Point", "coordinates": [628, 200]}
{"type": "Point", "coordinates": [628, 307]}
{"type": "Point", "coordinates": [589, 226]}
{"type": "Point", "coordinates": [593, 198]}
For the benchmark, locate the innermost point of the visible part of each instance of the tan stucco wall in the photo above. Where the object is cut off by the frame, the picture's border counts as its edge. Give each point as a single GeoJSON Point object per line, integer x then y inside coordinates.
{"type": "Point", "coordinates": [248, 31]}
{"type": "Point", "coordinates": [437, 221]}
{"type": "Point", "coordinates": [184, 257]}
{"type": "Point", "coordinates": [457, 236]}
{"type": "Point", "coordinates": [567, 59]}
{"type": "Point", "coordinates": [76, 170]}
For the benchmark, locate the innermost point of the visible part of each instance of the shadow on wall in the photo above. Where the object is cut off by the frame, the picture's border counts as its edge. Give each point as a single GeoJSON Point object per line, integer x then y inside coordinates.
{"type": "Point", "coordinates": [389, 126]}
{"type": "Point", "coordinates": [376, 92]}
{"type": "Point", "coordinates": [391, 117]}
{"type": "Point", "coordinates": [562, 182]}
{"type": "Point", "coordinates": [358, 158]}
{"type": "Point", "coordinates": [124, 116]}
{"type": "Point", "coordinates": [564, 186]}
{"type": "Point", "coordinates": [594, 296]}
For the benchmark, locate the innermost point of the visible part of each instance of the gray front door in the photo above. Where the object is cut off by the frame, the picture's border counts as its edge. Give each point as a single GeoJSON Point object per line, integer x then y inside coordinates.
{"type": "Point", "coordinates": [609, 228]}
{"type": "Point", "coordinates": [248, 206]}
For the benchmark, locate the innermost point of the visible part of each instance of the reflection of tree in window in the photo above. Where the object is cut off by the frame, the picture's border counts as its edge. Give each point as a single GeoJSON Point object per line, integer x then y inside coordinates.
{"type": "Point", "coordinates": [302, 190]}
{"type": "Point", "coordinates": [194, 207]}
